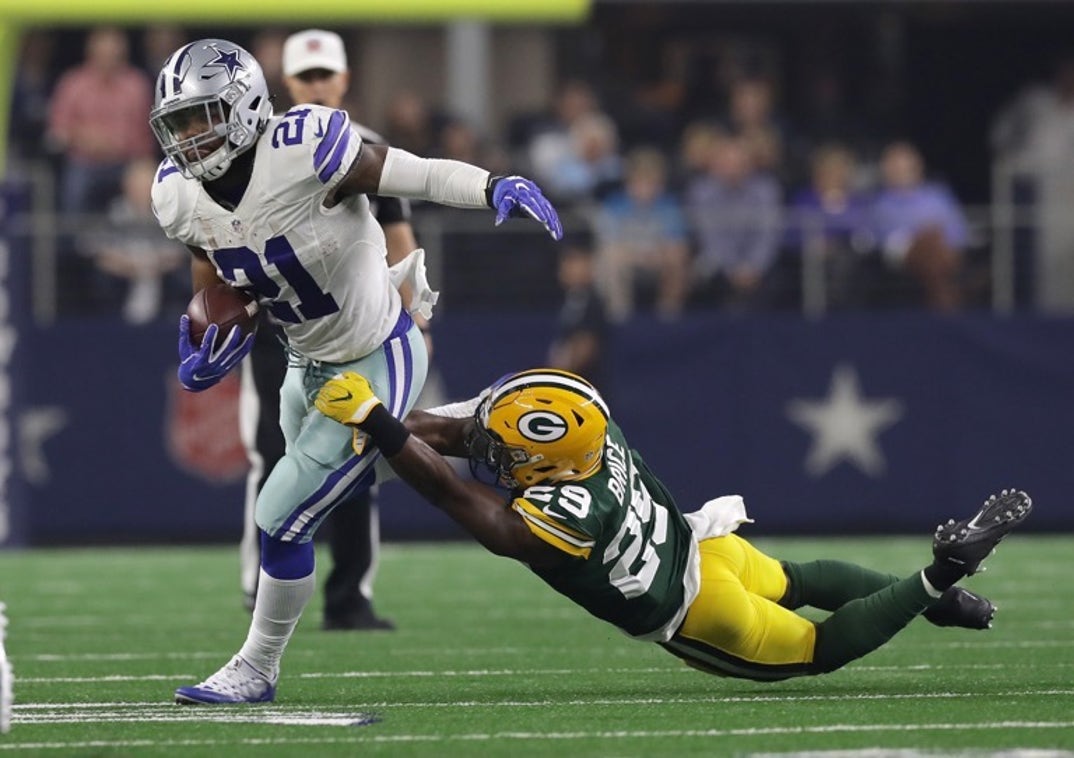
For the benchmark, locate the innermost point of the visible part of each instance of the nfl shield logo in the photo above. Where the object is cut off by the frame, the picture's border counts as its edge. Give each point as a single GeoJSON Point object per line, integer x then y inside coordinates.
{"type": "Point", "coordinates": [203, 430]}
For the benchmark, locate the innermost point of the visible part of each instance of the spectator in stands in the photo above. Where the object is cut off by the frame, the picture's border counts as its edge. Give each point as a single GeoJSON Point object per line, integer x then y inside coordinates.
{"type": "Point", "coordinates": [919, 226]}
{"type": "Point", "coordinates": [593, 167]}
{"type": "Point", "coordinates": [158, 42]}
{"type": "Point", "coordinates": [643, 244]}
{"type": "Point", "coordinates": [267, 48]}
{"type": "Point", "coordinates": [1034, 138]}
{"type": "Point", "coordinates": [97, 119]}
{"type": "Point", "coordinates": [582, 326]}
{"type": "Point", "coordinates": [734, 209]}
{"type": "Point", "coordinates": [459, 141]}
{"type": "Point", "coordinates": [133, 251]}
{"type": "Point", "coordinates": [695, 148]}
{"type": "Point", "coordinates": [30, 97]}
{"type": "Point", "coordinates": [827, 115]}
{"type": "Point", "coordinates": [829, 223]}
{"type": "Point", "coordinates": [462, 142]}
{"type": "Point", "coordinates": [550, 140]}
{"type": "Point", "coordinates": [410, 126]}
{"type": "Point", "coordinates": [709, 71]}
{"type": "Point", "coordinates": [650, 101]}
{"type": "Point", "coordinates": [751, 116]}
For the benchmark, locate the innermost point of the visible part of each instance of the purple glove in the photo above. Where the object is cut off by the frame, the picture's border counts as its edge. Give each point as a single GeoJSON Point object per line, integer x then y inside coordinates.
{"type": "Point", "coordinates": [202, 367]}
{"type": "Point", "coordinates": [515, 196]}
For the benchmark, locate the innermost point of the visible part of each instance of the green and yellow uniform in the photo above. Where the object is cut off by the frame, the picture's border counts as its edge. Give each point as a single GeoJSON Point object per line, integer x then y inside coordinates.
{"type": "Point", "coordinates": [705, 594]}
{"type": "Point", "coordinates": [631, 545]}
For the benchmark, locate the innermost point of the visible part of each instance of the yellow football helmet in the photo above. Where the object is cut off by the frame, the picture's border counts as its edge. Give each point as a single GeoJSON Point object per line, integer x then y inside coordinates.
{"type": "Point", "coordinates": [539, 426]}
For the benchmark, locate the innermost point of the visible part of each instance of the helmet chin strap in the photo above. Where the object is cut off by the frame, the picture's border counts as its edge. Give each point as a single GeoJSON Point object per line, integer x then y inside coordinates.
{"type": "Point", "coordinates": [213, 167]}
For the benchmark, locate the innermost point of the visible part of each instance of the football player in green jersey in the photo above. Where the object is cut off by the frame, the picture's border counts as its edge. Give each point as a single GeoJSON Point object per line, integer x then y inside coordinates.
{"type": "Point", "coordinates": [587, 515]}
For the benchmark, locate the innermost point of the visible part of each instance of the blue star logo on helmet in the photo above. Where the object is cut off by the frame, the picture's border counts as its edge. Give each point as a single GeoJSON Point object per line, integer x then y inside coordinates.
{"type": "Point", "coordinates": [228, 60]}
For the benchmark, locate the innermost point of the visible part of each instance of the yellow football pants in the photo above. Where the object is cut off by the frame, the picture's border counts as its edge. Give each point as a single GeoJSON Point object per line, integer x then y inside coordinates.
{"type": "Point", "coordinates": [735, 626]}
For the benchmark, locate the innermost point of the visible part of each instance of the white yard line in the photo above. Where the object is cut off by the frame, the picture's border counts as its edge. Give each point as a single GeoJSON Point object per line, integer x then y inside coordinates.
{"type": "Point", "coordinates": [154, 710]}
{"type": "Point", "coordinates": [432, 673]}
{"type": "Point", "coordinates": [486, 737]}
{"type": "Point", "coordinates": [402, 652]}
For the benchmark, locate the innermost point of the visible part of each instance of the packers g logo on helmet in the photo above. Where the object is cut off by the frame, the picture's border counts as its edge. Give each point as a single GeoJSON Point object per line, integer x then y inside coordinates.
{"type": "Point", "coordinates": [540, 426]}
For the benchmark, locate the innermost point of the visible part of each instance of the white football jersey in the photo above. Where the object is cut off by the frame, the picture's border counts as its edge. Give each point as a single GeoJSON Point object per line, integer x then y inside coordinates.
{"type": "Point", "coordinates": [321, 272]}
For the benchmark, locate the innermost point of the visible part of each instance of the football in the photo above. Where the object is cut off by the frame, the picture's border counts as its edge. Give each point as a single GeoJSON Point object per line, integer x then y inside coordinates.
{"type": "Point", "coordinates": [224, 306]}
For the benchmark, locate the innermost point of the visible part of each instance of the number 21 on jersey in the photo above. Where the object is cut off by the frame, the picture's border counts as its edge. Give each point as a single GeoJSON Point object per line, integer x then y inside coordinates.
{"type": "Point", "coordinates": [313, 302]}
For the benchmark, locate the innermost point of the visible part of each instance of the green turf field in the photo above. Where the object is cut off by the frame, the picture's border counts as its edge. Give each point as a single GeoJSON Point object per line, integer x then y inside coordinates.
{"type": "Point", "coordinates": [487, 661]}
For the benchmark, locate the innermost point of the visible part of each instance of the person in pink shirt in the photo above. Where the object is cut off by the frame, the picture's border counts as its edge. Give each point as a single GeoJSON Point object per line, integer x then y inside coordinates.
{"type": "Point", "coordinates": [97, 120]}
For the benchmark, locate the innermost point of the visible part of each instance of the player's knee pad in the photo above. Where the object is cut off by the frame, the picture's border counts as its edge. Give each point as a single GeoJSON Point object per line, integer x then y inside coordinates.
{"type": "Point", "coordinates": [286, 560]}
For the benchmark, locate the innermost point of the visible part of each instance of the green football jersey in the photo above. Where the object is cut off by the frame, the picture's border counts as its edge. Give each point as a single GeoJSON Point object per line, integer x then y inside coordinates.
{"type": "Point", "coordinates": [629, 543]}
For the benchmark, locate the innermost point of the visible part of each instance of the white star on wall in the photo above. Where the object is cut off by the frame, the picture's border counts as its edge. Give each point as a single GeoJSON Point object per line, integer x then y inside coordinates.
{"type": "Point", "coordinates": [845, 425]}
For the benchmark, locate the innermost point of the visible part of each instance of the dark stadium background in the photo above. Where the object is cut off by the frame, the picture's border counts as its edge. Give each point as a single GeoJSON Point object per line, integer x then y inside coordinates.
{"type": "Point", "coordinates": [986, 394]}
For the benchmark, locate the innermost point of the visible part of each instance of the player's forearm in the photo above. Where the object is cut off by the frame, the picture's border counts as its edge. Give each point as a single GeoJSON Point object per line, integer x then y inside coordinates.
{"type": "Point", "coordinates": [446, 436]}
{"type": "Point", "coordinates": [476, 508]}
{"type": "Point", "coordinates": [400, 241]}
{"type": "Point", "coordinates": [426, 471]}
{"type": "Point", "coordinates": [446, 182]}
{"type": "Point", "coordinates": [202, 272]}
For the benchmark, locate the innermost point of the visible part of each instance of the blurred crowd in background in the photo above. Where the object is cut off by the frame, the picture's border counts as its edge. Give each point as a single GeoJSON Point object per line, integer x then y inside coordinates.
{"type": "Point", "coordinates": [700, 183]}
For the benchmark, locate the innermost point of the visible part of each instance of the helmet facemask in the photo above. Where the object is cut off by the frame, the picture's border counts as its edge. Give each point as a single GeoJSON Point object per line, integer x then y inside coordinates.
{"type": "Point", "coordinates": [488, 454]}
{"type": "Point", "coordinates": [205, 154]}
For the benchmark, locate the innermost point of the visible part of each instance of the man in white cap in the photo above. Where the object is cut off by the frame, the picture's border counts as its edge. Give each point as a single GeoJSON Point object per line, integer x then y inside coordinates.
{"type": "Point", "coordinates": [315, 71]}
{"type": "Point", "coordinates": [315, 67]}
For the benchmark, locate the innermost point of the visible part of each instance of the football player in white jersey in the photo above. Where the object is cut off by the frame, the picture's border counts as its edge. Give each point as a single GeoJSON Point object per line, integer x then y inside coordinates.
{"type": "Point", "coordinates": [277, 206]}
{"type": "Point", "coordinates": [315, 71]}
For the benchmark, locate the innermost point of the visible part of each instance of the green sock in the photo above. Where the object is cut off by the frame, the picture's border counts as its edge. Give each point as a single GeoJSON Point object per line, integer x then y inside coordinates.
{"type": "Point", "coordinates": [830, 584]}
{"type": "Point", "coordinates": [862, 625]}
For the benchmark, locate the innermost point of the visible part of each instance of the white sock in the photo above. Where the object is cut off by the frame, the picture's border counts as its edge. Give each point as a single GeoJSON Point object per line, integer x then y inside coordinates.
{"type": "Point", "coordinates": [279, 606]}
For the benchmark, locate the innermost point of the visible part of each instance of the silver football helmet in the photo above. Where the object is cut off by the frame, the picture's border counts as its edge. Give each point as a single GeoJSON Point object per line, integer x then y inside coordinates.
{"type": "Point", "coordinates": [211, 105]}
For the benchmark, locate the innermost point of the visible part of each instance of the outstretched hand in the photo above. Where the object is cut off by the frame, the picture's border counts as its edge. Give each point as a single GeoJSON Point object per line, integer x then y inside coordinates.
{"type": "Point", "coordinates": [347, 398]}
{"type": "Point", "coordinates": [202, 367]}
{"type": "Point", "coordinates": [516, 196]}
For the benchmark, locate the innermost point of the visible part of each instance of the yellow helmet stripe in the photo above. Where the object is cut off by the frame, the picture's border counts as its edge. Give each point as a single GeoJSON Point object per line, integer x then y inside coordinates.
{"type": "Point", "coordinates": [551, 378]}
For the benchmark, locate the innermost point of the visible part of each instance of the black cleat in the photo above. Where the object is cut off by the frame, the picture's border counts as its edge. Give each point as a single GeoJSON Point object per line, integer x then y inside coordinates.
{"type": "Point", "coordinates": [964, 545]}
{"type": "Point", "coordinates": [961, 608]}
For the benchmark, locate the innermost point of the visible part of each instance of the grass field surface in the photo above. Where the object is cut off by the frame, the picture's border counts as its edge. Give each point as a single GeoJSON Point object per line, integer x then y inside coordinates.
{"type": "Point", "coordinates": [488, 661]}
